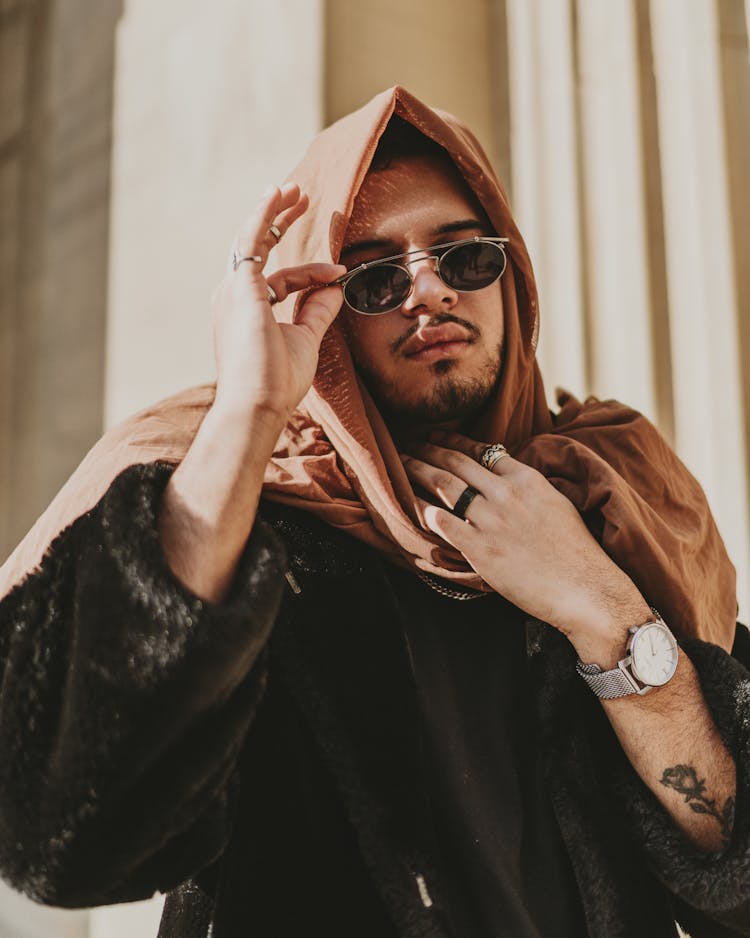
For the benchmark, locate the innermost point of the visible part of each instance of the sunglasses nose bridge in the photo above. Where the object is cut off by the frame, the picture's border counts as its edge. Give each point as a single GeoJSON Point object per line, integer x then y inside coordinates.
{"type": "Point", "coordinates": [428, 289]}
{"type": "Point", "coordinates": [433, 258]}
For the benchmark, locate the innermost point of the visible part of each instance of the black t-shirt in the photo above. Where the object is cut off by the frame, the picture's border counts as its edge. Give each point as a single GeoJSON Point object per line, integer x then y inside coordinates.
{"type": "Point", "coordinates": [505, 860]}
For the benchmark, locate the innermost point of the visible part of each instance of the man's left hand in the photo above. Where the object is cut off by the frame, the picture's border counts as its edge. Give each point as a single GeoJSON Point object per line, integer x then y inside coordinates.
{"type": "Point", "coordinates": [525, 539]}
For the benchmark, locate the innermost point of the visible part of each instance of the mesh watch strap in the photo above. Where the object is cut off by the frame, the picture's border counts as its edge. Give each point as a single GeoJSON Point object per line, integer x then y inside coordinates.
{"type": "Point", "coordinates": [609, 684]}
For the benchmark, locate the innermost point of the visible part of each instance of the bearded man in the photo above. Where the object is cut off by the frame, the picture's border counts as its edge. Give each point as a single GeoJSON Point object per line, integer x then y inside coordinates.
{"type": "Point", "coordinates": [364, 639]}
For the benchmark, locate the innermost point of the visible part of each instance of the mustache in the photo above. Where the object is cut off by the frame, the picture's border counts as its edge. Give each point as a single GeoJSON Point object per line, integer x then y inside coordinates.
{"type": "Point", "coordinates": [473, 330]}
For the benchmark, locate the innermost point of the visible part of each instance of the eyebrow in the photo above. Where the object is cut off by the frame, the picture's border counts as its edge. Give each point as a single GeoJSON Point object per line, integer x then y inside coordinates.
{"type": "Point", "coordinates": [386, 243]}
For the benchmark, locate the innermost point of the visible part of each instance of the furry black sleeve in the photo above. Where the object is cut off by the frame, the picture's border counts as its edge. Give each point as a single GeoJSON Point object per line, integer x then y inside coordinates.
{"type": "Point", "coordinates": [124, 702]}
{"type": "Point", "coordinates": [711, 890]}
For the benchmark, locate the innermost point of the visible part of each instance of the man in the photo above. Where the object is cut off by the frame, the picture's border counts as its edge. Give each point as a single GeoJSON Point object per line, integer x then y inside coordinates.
{"type": "Point", "coordinates": [351, 668]}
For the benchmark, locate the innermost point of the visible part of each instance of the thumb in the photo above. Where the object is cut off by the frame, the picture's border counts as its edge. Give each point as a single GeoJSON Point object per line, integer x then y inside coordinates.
{"type": "Point", "coordinates": [319, 309]}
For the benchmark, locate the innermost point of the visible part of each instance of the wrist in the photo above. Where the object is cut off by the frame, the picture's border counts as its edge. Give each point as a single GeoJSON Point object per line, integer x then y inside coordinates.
{"type": "Point", "coordinates": [259, 415]}
{"type": "Point", "coordinates": [602, 637]}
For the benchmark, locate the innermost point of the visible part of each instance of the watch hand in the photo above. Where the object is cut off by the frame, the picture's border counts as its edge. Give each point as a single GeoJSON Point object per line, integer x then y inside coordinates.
{"type": "Point", "coordinates": [651, 643]}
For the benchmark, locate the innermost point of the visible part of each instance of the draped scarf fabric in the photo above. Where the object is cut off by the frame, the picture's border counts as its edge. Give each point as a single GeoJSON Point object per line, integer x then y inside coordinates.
{"type": "Point", "coordinates": [337, 459]}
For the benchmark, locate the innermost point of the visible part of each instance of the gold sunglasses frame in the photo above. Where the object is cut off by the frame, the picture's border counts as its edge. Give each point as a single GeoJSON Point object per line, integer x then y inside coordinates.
{"type": "Point", "coordinates": [444, 248]}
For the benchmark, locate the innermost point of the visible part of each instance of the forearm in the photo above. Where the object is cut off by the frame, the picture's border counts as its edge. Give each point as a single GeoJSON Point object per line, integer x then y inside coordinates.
{"type": "Point", "coordinates": [209, 505]}
{"type": "Point", "coordinates": [670, 737]}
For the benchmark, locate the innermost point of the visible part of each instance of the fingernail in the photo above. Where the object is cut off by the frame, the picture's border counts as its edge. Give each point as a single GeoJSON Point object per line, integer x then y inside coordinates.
{"type": "Point", "coordinates": [269, 190]}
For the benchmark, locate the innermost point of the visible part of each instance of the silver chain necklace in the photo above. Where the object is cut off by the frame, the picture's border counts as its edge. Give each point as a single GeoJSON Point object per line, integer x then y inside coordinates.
{"type": "Point", "coordinates": [440, 587]}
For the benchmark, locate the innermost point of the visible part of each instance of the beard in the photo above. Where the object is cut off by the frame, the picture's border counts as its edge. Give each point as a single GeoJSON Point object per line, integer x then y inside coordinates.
{"type": "Point", "coordinates": [450, 396]}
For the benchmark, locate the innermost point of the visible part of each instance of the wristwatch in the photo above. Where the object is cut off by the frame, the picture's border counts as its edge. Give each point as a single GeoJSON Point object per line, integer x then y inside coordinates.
{"type": "Point", "coordinates": [650, 661]}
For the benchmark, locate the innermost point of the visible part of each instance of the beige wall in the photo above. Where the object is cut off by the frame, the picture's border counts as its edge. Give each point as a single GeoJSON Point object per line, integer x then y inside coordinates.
{"type": "Point", "coordinates": [451, 55]}
{"type": "Point", "coordinates": [213, 103]}
{"type": "Point", "coordinates": [56, 67]}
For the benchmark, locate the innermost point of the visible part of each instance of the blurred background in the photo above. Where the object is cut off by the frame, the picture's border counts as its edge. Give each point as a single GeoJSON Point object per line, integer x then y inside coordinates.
{"type": "Point", "coordinates": [136, 136]}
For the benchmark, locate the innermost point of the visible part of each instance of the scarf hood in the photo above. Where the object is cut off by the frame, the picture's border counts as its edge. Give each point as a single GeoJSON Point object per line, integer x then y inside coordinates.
{"type": "Point", "coordinates": [337, 459]}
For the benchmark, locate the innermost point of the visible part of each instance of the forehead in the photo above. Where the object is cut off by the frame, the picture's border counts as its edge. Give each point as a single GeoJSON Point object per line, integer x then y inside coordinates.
{"type": "Point", "coordinates": [410, 196]}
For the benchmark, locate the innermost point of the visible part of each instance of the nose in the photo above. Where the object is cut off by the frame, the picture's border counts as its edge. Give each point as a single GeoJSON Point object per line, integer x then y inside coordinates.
{"type": "Point", "coordinates": [429, 293]}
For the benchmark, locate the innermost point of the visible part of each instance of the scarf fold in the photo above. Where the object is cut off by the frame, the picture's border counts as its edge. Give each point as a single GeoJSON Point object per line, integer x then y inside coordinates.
{"type": "Point", "coordinates": [337, 459]}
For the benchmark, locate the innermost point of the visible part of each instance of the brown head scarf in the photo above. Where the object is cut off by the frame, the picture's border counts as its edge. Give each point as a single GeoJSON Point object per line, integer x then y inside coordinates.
{"type": "Point", "coordinates": [337, 459]}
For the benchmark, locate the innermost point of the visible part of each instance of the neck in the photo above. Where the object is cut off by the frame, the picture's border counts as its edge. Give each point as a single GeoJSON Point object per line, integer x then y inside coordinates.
{"type": "Point", "coordinates": [407, 434]}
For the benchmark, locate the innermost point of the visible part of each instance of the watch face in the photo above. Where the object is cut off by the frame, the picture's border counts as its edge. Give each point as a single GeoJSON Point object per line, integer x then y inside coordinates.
{"type": "Point", "coordinates": [654, 654]}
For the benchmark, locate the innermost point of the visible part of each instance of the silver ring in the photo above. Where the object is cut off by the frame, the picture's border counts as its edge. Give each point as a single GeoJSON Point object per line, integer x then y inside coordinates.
{"type": "Point", "coordinates": [237, 259]}
{"type": "Point", "coordinates": [272, 298]}
{"type": "Point", "coordinates": [492, 454]}
{"type": "Point", "coordinates": [276, 232]}
{"type": "Point", "coordinates": [464, 500]}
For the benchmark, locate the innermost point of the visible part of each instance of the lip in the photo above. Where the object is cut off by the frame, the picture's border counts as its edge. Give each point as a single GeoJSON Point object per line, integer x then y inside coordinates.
{"type": "Point", "coordinates": [440, 350]}
{"type": "Point", "coordinates": [429, 338]}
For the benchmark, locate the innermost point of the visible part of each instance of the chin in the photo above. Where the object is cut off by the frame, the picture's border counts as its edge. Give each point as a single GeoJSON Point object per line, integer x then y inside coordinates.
{"type": "Point", "coordinates": [454, 391]}
{"type": "Point", "coordinates": [449, 401]}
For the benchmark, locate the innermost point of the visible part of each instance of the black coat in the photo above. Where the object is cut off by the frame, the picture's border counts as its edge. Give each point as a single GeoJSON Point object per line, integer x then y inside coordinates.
{"type": "Point", "coordinates": [260, 760]}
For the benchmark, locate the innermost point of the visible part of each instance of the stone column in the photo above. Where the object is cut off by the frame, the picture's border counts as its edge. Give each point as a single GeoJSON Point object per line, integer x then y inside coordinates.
{"type": "Point", "coordinates": [704, 329]}
{"type": "Point", "coordinates": [546, 198]}
{"type": "Point", "coordinates": [613, 205]}
{"type": "Point", "coordinates": [213, 103]}
{"type": "Point", "coordinates": [630, 134]}
{"type": "Point", "coordinates": [56, 81]}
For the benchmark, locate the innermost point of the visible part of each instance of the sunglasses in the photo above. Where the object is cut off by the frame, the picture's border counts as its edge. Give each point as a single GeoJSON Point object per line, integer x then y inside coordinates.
{"type": "Point", "coordinates": [380, 286]}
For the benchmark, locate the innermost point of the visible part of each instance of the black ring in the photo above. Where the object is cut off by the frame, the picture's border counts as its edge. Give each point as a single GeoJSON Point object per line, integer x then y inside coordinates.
{"type": "Point", "coordinates": [464, 500]}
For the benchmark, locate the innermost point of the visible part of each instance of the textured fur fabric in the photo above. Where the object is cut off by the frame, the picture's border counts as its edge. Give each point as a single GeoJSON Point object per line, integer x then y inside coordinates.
{"type": "Point", "coordinates": [259, 759]}
{"type": "Point", "coordinates": [113, 678]}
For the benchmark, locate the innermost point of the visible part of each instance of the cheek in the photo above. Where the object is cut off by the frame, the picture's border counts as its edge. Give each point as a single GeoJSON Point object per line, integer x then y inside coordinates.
{"type": "Point", "coordinates": [489, 317]}
{"type": "Point", "coordinates": [368, 338]}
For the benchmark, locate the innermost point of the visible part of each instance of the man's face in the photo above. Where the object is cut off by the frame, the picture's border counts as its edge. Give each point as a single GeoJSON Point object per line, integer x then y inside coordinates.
{"type": "Point", "coordinates": [413, 204]}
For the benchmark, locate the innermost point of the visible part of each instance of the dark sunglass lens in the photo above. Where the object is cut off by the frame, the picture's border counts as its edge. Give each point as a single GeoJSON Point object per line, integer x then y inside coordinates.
{"type": "Point", "coordinates": [378, 289]}
{"type": "Point", "coordinates": [472, 266]}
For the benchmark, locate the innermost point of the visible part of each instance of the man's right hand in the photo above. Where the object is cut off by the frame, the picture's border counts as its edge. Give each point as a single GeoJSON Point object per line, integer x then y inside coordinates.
{"type": "Point", "coordinates": [262, 364]}
{"type": "Point", "coordinates": [264, 369]}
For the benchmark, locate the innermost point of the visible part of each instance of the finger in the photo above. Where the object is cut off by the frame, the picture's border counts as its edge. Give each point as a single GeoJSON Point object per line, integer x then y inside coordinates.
{"type": "Point", "coordinates": [291, 279]}
{"type": "Point", "coordinates": [440, 521]}
{"type": "Point", "coordinates": [251, 236]}
{"type": "Point", "coordinates": [471, 448]}
{"type": "Point", "coordinates": [442, 483]}
{"type": "Point", "coordinates": [286, 219]}
{"type": "Point", "coordinates": [319, 310]}
{"type": "Point", "coordinates": [466, 469]}
{"type": "Point", "coordinates": [283, 200]}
